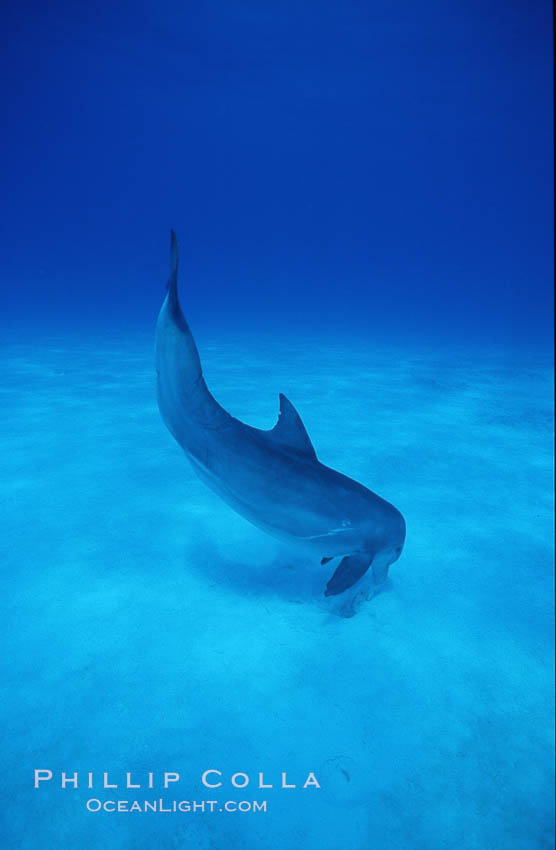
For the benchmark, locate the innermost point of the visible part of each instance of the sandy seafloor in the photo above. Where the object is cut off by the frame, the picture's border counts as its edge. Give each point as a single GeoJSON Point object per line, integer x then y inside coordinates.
{"type": "Point", "coordinates": [150, 628]}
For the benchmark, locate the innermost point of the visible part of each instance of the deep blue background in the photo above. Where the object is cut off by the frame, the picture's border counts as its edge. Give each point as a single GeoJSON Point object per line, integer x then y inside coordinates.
{"type": "Point", "coordinates": [380, 166]}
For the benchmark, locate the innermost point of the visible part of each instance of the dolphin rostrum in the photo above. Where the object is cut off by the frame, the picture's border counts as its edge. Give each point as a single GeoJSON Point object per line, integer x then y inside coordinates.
{"type": "Point", "coordinates": [272, 478]}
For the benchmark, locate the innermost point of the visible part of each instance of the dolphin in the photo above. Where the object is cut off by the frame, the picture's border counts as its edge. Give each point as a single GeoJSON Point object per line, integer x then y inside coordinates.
{"type": "Point", "coordinates": [272, 478]}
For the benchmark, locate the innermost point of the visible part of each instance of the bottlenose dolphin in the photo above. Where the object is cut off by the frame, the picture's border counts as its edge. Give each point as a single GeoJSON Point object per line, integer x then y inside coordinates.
{"type": "Point", "coordinates": [272, 478]}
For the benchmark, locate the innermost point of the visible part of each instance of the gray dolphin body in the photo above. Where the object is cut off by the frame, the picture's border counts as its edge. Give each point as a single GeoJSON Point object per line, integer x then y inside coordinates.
{"type": "Point", "coordinates": [272, 478]}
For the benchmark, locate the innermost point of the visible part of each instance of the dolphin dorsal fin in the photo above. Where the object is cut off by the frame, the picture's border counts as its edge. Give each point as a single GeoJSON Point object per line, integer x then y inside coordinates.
{"type": "Point", "coordinates": [290, 430]}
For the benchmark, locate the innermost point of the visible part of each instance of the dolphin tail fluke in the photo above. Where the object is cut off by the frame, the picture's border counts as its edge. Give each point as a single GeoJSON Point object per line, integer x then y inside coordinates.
{"type": "Point", "coordinates": [174, 307]}
{"type": "Point", "coordinates": [179, 348]}
{"type": "Point", "coordinates": [172, 285]}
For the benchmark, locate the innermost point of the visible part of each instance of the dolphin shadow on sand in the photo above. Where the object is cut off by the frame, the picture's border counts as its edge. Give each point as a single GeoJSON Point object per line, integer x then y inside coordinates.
{"type": "Point", "coordinates": [273, 478]}
{"type": "Point", "coordinates": [285, 574]}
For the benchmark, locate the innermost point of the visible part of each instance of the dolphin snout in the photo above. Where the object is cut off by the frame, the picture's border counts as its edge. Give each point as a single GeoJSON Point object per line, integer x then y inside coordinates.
{"type": "Point", "coordinates": [397, 552]}
{"type": "Point", "coordinates": [401, 534]}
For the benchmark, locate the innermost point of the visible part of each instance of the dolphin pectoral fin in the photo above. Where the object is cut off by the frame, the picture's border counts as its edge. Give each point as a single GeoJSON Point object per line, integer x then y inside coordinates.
{"type": "Point", "coordinates": [325, 561]}
{"type": "Point", "coordinates": [351, 568]}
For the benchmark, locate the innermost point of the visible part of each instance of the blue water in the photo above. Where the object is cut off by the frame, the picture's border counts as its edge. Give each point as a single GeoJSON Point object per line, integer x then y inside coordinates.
{"type": "Point", "coordinates": [150, 628]}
